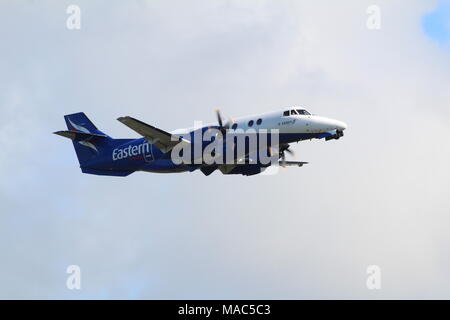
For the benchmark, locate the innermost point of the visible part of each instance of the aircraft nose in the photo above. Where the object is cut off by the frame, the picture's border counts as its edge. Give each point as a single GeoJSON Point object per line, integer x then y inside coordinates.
{"type": "Point", "coordinates": [341, 125]}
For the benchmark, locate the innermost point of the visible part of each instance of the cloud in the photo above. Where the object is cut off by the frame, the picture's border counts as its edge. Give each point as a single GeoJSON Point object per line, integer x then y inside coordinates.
{"type": "Point", "coordinates": [377, 196]}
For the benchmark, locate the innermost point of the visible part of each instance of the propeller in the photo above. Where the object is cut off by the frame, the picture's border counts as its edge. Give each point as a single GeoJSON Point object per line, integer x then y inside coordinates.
{"type": "Point", "coordinates": [222, 127]}
{"type": "Point", "coordinates": [285, 148]}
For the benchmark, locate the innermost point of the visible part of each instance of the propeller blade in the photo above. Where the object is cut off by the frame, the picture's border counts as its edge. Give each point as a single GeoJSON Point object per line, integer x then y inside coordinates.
{"type": "Point", "coordinates": [222, 127]}
{"type": "Point", "coordinates": [283, 159]}
{"type": "Point", "coordinates": [219, 118]}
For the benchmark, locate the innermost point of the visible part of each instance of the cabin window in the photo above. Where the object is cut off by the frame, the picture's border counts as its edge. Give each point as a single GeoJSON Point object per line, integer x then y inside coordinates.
{"type": "Point", "coordinates": [293, 112]}
{"type": "Point", "coordinates": [258, 122]}
{"type": "Point", "coordinates": [234, 126]}
{"type": "Point", "coordinates": [250, 123]}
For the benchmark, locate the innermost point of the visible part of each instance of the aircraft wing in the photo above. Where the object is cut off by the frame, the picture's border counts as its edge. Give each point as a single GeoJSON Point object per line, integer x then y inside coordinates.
{"type": "Point", "coordinates": [292, 163]}
{"type": "Point", "coordinates": [163, 140]}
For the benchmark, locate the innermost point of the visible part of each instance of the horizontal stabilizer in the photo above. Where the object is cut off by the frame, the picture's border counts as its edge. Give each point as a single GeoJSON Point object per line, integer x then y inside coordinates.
{"type": "Point", "coordinates": [161, 139]}
{"type": "Point", "coordinates": [78, 135]}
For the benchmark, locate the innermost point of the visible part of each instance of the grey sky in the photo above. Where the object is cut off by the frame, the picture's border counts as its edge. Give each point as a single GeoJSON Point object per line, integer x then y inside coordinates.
{"type": "Point", "coordinates": [377, 196]}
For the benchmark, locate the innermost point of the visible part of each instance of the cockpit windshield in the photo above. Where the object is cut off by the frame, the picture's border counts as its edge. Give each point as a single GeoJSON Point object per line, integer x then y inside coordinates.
{"type": "Point", "coordinates": [296, 112]}
{"type": "Point", "coordinates": [303, 112]}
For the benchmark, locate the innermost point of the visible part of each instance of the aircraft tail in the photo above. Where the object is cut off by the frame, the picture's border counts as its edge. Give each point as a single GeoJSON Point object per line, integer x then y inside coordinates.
{"type": "Point", "coordinates": [91, 144]}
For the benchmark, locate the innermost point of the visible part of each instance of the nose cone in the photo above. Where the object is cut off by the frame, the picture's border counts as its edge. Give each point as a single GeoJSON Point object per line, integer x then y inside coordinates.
{"type": "Point", "coordinates": [341, 125]}
{"type": "Point", "coordinates": [322, 124]}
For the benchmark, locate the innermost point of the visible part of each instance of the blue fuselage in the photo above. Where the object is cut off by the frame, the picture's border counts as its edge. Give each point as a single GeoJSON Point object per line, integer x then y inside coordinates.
{"type": "Point", "coordinates": [139, 155]}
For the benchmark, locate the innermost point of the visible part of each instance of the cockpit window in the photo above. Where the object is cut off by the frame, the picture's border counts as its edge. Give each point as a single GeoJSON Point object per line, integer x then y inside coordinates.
{"type": "Point", "coordinates": [303, 112]}
{"type": "Point", "coordinates": [295, 112]}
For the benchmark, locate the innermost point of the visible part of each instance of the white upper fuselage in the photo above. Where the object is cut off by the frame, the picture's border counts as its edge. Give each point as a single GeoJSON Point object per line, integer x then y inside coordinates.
{"type": "Point", "coordinates": [292, 120]}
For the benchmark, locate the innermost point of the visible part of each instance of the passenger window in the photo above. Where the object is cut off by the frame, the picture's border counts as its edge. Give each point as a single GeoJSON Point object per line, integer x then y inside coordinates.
{"type": "Point", "coordinates": [258, 122]}
{"type": "Point", "coordinates": [234, 126]}
{"type": "Point", "coordinates": [250, 123]}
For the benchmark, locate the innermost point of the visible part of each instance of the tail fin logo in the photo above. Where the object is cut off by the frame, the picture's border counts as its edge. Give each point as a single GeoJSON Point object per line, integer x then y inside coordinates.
{"type": "Point", "coordinates": [78, 127]}
{"type": "Point", "coordinates": [88, 144]}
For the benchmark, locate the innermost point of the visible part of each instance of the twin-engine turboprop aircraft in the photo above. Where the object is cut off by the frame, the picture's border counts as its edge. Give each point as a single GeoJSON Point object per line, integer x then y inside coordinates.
{"type": "Point", "coordinates": [207, 147]}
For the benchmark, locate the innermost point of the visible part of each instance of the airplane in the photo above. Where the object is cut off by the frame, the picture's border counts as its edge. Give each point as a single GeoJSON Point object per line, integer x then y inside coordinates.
{"type": "Point", "coordinates": [99, 154]}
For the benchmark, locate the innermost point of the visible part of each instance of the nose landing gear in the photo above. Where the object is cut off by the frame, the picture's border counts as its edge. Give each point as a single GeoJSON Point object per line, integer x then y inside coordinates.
{"type": "Point", "coordinates": [336, 136]}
